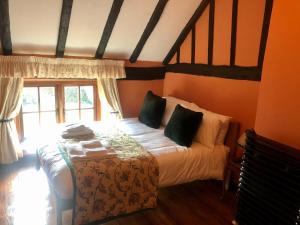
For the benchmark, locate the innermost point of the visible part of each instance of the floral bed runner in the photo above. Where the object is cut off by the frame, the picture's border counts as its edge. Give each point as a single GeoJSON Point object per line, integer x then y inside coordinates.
{"type": "Point", "coordinates": [122, 180]}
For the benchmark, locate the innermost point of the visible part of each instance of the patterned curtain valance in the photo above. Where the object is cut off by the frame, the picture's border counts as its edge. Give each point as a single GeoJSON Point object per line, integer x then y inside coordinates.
{"type": "Point", "coordinates": [42, 67]}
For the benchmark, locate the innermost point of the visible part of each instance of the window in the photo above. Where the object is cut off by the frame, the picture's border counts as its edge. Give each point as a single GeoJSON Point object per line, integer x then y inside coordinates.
{"type": "Point", "coordinates": [38, 108]}
{"type": "Point", "coordinates": [46, 103]}
{"type": "Point", "coordinates": [79, 103]}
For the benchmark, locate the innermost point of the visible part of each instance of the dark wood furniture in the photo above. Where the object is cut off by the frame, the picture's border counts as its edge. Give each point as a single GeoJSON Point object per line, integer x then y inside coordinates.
{"type": "Point", "coordinates": [231, 167]}
{"type": "Point", "coordinates": [232, 172]}
{"type": "Point", "coordinates": [269, 185]}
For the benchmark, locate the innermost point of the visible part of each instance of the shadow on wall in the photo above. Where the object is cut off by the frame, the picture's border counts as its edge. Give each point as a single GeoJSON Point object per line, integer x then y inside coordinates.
{"type": "Point", "coordinates": [132, 93]}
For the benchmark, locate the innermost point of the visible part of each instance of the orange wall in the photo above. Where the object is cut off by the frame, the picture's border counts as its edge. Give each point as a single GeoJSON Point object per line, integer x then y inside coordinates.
{"type": "Point", "coordinates": [278, 113]}
{"type": "Point", "coordinates": [132, 92]}
{"type": "Point", "coordinates": [249, 26]}
{"type": "Point", "coordinates": [235, 98]}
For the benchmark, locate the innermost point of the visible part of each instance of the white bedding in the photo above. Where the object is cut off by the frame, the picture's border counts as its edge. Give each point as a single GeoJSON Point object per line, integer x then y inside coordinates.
{"type": "Point", "coordinates": [177, 164]}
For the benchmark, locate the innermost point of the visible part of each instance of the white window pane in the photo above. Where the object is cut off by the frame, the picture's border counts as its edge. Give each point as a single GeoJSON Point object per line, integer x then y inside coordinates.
{"type": "Point", "coordinates": [30, 99]}
{"type": "Point", "coordinates": [87, 114]}
{"type": "Point", "coordinates": [87, 97]}
{"type": "Point", "coordinates": [48, 119]}
{"type": "Point", "coordinates": [72, 115]}
{"type": "Point", "coordinates": [71, 97]}
{"type": "Point", "coordinates": [30, 124]}
{"type": "Point", "coordinates": [47, 98]}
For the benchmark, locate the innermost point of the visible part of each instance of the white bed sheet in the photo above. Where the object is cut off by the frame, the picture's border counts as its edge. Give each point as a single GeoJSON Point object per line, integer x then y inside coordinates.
{"type": "Point", "coordinates": [177, 164]}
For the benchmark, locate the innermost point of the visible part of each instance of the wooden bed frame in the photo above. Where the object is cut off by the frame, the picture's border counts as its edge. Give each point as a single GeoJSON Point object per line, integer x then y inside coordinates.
{"type": "Point", "coordinates": [230, 141]}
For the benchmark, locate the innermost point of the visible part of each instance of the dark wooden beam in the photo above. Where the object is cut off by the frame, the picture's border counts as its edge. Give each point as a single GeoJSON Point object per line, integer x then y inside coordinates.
{"type": "Point", "coordinates": [233, 32]}
{"type": "Point", "coordinates": [5, 28]}
{"type": "Point", "coordinates": [197, 14]}
{"type": "Point", "coordinates": [109, 26]}
{"type": "Point", "coordinates": [265, 32]}
{"type": "Point", "coordinates": [211, 32]}
{"type": "Point", "coordinates": [193, 44]}
{"type": "Point", "coordinates": [148, 30]}
{"type": "Point", "coordinates": [230, 72]}
{"type": "Point", "coordinates": [63, 27]}
{"type": "Point", "coordinates": [178, 56]}
{"type": "Point", "coordinates": [145, 73]}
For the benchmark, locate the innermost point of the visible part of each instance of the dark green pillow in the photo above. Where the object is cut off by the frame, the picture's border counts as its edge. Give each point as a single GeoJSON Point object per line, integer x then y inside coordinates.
{"type": "Point", "coordinates": [152, 110]}
{"type": "Point", "coordinates": [183, 125]}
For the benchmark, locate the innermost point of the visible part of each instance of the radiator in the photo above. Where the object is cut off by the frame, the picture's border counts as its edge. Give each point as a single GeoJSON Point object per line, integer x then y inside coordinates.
{"type": "Point", "coordinates": [269, 184]}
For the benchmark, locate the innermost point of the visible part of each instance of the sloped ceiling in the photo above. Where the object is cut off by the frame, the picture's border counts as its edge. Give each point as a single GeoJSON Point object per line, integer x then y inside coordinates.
{"type": "Point", "coordinates": [34, 27]}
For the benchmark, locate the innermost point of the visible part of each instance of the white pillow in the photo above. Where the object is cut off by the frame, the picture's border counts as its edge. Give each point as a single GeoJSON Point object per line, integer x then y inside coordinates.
{"type": "Point", "coordinates": [224, 128]}
{"type": "Point", "coordinates": [209, 127]}
{"type": "Point", "coordinates": [170, 107]}
{"type": "Point", "coordinates": [225, 120]}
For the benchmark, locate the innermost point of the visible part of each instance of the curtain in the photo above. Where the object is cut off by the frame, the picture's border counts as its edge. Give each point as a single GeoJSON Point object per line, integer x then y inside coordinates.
{"type": "Point", "coordinates": [109, 98]}
{"type": "Point", "coordinates": [60, 68]}
{"type": "Point", "coordinates": [10, 103]}
{"type": "Point", "coordinates": [13, 69]}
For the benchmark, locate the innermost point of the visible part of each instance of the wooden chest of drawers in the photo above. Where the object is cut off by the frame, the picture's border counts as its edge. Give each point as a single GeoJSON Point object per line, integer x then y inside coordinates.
{"type": "Point", "coordinates": [269, 184]}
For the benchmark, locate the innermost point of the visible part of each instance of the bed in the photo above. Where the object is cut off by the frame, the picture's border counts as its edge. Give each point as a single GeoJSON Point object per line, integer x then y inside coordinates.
{"type": "Point", "coordinates": [177, 164]}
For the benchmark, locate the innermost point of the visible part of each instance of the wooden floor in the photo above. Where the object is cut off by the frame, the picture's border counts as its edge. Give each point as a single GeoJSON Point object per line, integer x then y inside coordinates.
{"type": "Point", "coordinates": [25, 198]}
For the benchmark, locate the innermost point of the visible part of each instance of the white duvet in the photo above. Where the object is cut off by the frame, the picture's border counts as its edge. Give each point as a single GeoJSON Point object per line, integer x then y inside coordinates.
{"type": "Point", "coordinates": [177, 164]}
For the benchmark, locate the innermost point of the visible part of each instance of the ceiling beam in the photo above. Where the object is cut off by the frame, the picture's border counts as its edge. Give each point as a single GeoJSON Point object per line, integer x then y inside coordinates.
{"type": "Point", "coordinates": [188, 27]}
{"type": "Point", "coordinates": [63, 27]}
{"type": "Point", "coordinates": [233, 31]}
{"type": "Point", "coordinates": [265, 32]}
{"type": "Point", "coordinates": [230, 72]}
{"type": "Point", "coordinates": [178, 56]}
{"type": "Point", "coordinates": [109, 26]}
{"type": "Point", "coordinates": [145, 73]}
{"type": "Point", "coordinates": [5, 28]}
{"type": "Point", "coordinates": [148, 30]}
{"type": "Point", "coordinates": [193, 44]}
{"type": "Point", "coordinates": [211, 29]}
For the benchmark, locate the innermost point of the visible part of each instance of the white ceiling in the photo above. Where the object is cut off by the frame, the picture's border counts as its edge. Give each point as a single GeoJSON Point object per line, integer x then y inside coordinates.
{"type": "Point", "coordinates": [35, 25]}
{"type": "Point", "coordinates": [86, 26]}
{"type": "Point", "coordinates": [176, 15]}
{"type": "Point", "coordinates": [129, 27]}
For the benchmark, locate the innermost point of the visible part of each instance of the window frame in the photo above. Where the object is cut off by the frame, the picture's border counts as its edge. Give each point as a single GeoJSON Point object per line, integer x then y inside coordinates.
{"type": "Point", "coordinates": [59, 85]}
{"type": "Point", "coordinates": [79, 100]}
{"type": "Point", "coordinates": [39, 111]}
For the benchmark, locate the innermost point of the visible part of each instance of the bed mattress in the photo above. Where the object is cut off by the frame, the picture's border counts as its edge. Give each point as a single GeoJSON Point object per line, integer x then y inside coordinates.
{"type": "Point", "coordinates": [177, 164]}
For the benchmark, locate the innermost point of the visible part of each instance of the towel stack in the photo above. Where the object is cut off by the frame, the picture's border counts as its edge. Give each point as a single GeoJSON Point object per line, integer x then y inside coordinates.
{"type": "Point", "coordinates": [78, 131]}
{"type": "Point", "coordinates": [92, 148]}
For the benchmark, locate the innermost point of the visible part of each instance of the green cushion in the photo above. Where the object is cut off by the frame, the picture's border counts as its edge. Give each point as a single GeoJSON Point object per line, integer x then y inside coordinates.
{"type": "Point", "coordinates": [183, 125]}
{"type": "Point", "coordinates": [152, 110]}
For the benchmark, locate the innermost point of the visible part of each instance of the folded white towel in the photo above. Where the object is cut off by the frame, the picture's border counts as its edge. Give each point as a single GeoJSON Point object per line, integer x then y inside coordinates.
{"type": "Point", "coordinates": [98, 152]}
{"type": "Point", "coordinates": [79, 137]}
{"type": "Point", "coordinates": [91, 144]}
{"type": "Point", "coordinates": [80, 132]}
{"type": "Point", "coordinates": [74, 149]}
{"type": "Point", "coordinates": [75, 127]}
{"type": "Point", "coordinates": [77, 131]}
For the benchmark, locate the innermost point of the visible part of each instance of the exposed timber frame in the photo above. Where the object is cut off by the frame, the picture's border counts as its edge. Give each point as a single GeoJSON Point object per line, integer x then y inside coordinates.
{"type": "Point", "coordinates": [109, 26]}
{"type": "Point", "coordinates": [5, 35]}
{"type": "Point", "coordinates": [231, 71]}
{"type": "Point", "coordinates": [63, 27]}
{"type": "Point", "coordinates": [148, 30]}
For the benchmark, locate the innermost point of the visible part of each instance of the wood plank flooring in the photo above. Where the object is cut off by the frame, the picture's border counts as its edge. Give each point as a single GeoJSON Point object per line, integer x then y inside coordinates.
{"type": "Point", "coordinates": [25, 198]}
